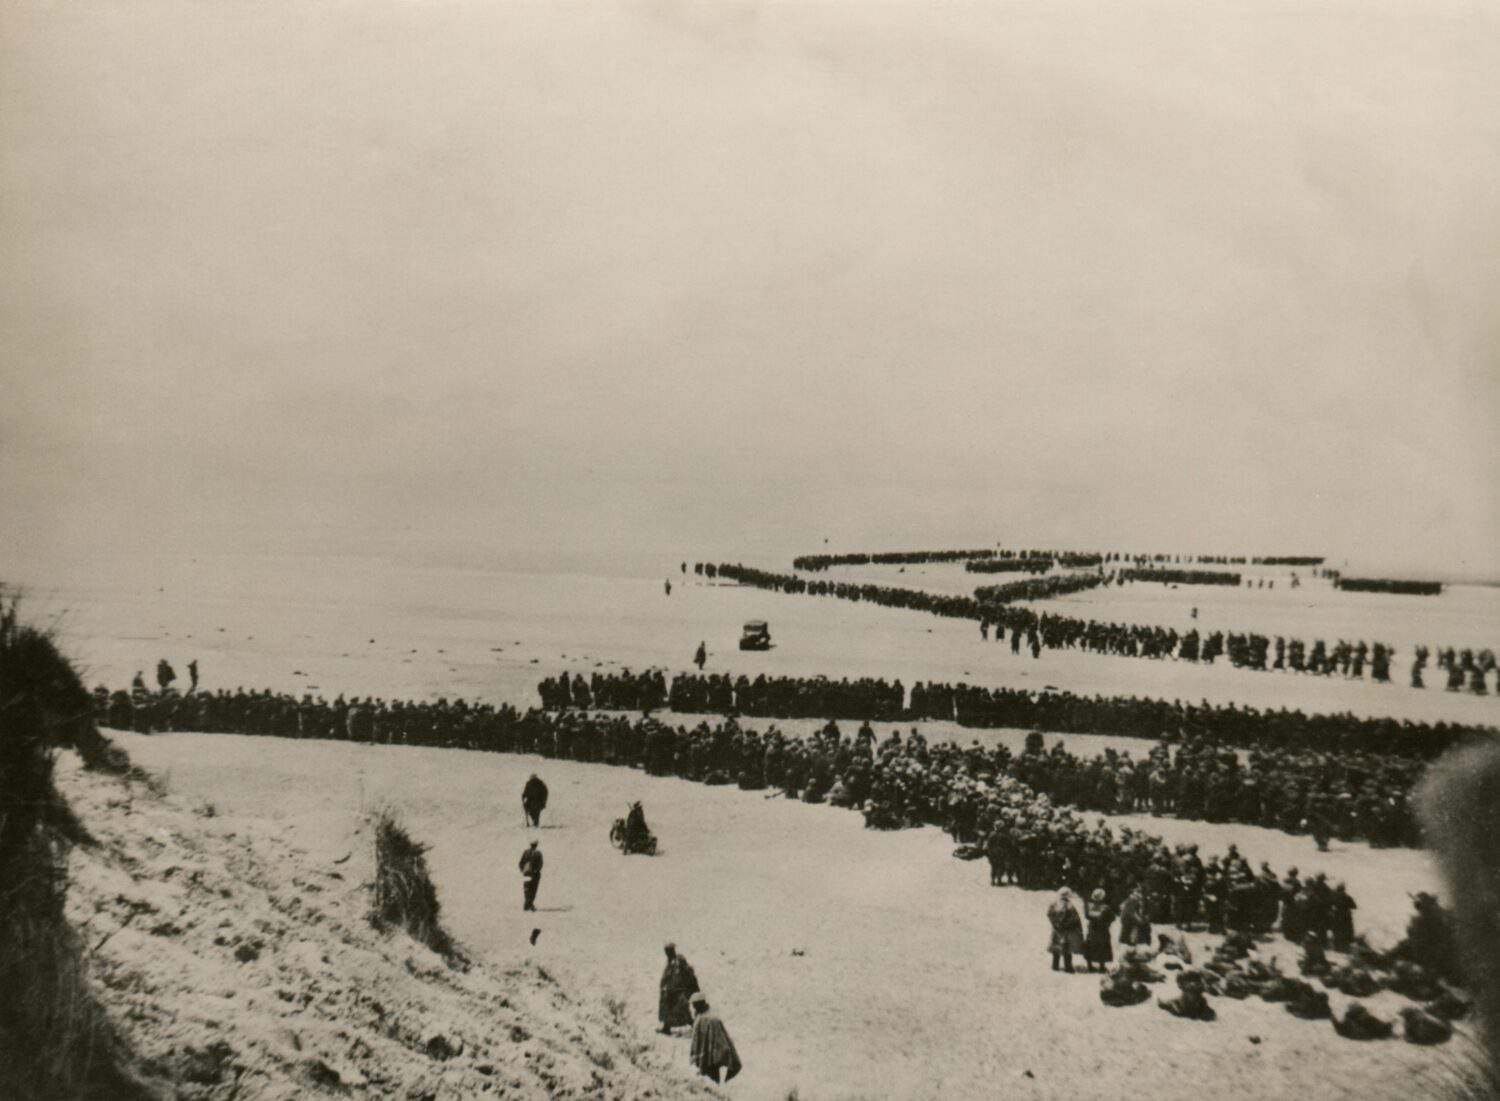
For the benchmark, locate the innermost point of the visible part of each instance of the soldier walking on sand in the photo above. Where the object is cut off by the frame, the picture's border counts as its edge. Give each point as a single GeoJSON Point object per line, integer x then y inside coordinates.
{"type": "Point", "coordinates": [713, 1051]}
{"type": "Point", "coordinates": [534, 800]}
{"type": "Point", "coordinates": [531, 874]}
{"type": "Point", "coordinates": [678, 985]}
{"type": "Point", "coordinates": [701, 656]}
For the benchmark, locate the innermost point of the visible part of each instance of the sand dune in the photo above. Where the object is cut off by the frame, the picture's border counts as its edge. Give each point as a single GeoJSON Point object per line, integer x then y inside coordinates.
{"type": "Point", "coordinates": [233, 963]}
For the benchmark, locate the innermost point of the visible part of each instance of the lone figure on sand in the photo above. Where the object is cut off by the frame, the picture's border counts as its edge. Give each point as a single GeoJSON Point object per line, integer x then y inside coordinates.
{"type": "Point", "coordinates": [678, 985]}
{"type": "Point", "coordinates": [531, 874]}
{"type": "Point", "coordinates": [713, 1050]}
{"type": "Point", "coordinates": [1067, 930]}
{"type": "Point", "coordinates": [534, 800]}
{"type": "Point", "coordinates": [701, 656]}
{"type": "Point", "coordinates": [1097, 942]}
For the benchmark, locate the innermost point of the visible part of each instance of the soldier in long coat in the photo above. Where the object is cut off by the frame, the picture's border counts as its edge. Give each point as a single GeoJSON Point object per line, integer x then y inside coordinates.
{"type": "Point", "coordinates": [1067, 931]}
{"type": "Point", "coordinates": [1097, 945]}
{"type": "Point", "coordinates": [678, 985]}
{"type": "Point", "coordinates": [534, 800]}
{"type": "Point", "coordinates": [713, 1051]}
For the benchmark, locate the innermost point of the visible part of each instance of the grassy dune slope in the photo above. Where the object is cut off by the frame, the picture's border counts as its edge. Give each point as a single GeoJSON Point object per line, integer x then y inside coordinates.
{"type": "Point", "coordinates": [236, 966]}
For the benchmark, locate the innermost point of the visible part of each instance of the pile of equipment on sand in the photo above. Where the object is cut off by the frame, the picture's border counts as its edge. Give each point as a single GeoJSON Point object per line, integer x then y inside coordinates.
{"type": "Point", "coordinates": [1235, 970]}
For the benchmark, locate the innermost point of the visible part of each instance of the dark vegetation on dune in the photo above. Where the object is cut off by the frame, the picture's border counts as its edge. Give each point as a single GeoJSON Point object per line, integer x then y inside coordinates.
{"type": "Point", "coordinates": [404, 895]}
{"type": "Point", "coordinates": [55, 1042]}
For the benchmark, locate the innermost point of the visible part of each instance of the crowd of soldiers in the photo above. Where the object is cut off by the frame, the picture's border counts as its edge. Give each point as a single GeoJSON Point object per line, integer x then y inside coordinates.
{"type": "Point", "coordinates": [815, 562]}
{"type": "Point", "coordinates": [1225, 724]}
{"type": "Point", "coordinates": [1009, 565]}
{"type": "Point", "coordinates": [1180, 577]}
{"type": "Point", "coordinates": [994, 608]}
{"type": "Point", "coordinates": [1039, 588]}
{"type": "Point", "coordinates": [371, 719]}
{"type": "Point", "coordinates": [1068, 558]}
{"type": "Point", "coordinates": [624, 691]}
{"type": "Point", "coordinates": [977, 795]}
{"type": "Point", "coordinates": [1194, 772]}
{"type": "Point", "coordinates": [1019, 708]}
{"type": "Point", "coordinates": [1461, 667]}
{"type": "Point", "coordinates": [788, 697]}
{"type": "Point", "coordinates": [1353, 796]}
{"type": "Point", "coordinates": [1383, 585]}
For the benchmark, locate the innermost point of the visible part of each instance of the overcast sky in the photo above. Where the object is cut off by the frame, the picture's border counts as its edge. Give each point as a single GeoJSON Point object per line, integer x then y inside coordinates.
{"type": "Point", "coordinates": [477, 282]}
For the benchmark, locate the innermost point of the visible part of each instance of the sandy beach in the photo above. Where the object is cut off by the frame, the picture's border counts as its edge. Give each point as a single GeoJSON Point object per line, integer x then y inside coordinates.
{"type": "Point", "coordinates": [847, 963]}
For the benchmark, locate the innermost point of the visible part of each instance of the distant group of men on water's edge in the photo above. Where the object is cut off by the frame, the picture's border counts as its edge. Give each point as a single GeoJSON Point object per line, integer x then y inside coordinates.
{"type": "Point", "coordinates": [166, 676]}
{"type": "Point", "coordinates": [995, 608]}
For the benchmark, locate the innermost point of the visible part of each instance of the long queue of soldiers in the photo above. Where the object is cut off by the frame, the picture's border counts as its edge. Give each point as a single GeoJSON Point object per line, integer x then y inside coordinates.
{"type": "Point", "coordinates": [814, 562]}
{"type": "Point", "coordinates": [1072, 558]}
{"type": "Point", "coordinates": [1225, 724]}
{"type": "Point", "coordinates": [1013, 708]}
{"type": "Point", "coordinates": [1040, 588]}
{"type": "Point", "coordinates": [994, 608]}
{"type": "Point", "coordinates": [1193, 773]}
{"type": "Point", "coordinates": [1009, 565]}
{"type": "Point", "coordinates": [1180, 577]}
{"type": "Point", "coordinates": [1386, 585]}
{"type": "Point", "coordinates": [976, 795]}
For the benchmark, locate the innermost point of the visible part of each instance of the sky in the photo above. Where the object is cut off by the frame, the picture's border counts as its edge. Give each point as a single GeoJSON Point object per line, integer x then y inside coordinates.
{"type": "Point", "coordinates": [480, 283]}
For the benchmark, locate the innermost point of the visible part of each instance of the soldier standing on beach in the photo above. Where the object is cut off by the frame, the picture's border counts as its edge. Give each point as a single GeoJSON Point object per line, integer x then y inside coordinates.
{"type": "Point", "coordinates": [713, 1052]}
{"type": "Point", "coordinates": [193, 675]}
{"type": "Point", "coordinates": [534, 800]}
{"type": "Point", "coordinates": [678, 985]}
{"type": "Point", "coordinates": [531, 874]}
{"type": "Point", "coordinates": [701, 656]}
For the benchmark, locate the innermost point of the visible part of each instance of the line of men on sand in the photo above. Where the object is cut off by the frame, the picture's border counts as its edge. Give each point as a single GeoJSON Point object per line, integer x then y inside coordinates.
{"type": "Point", "coordinates": [1072, 558]}
{"type": "Point", "coordinates": [1147, 717]}
{"type": "Point", "coordinates": [1037, 631]}
{"type": "Point", "coordinates": [623, 691]}
{"type": "Point", "coordinates": [1030, 841]}
{"type": "Point", "coordinates": [871, 698]}
{"type": "Point", "coordinates": [1462, 667]}
{"type": "Point", "coordinates": [1344, 796]}
{"type": "Point", "coordinates": [897, 783]}
{"type": "Point", "coordinates": [166, 677]}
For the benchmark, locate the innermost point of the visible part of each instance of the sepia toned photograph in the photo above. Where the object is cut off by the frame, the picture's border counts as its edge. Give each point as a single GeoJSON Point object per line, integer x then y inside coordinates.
{"type": "Point", "coordinates": [800, 551]}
